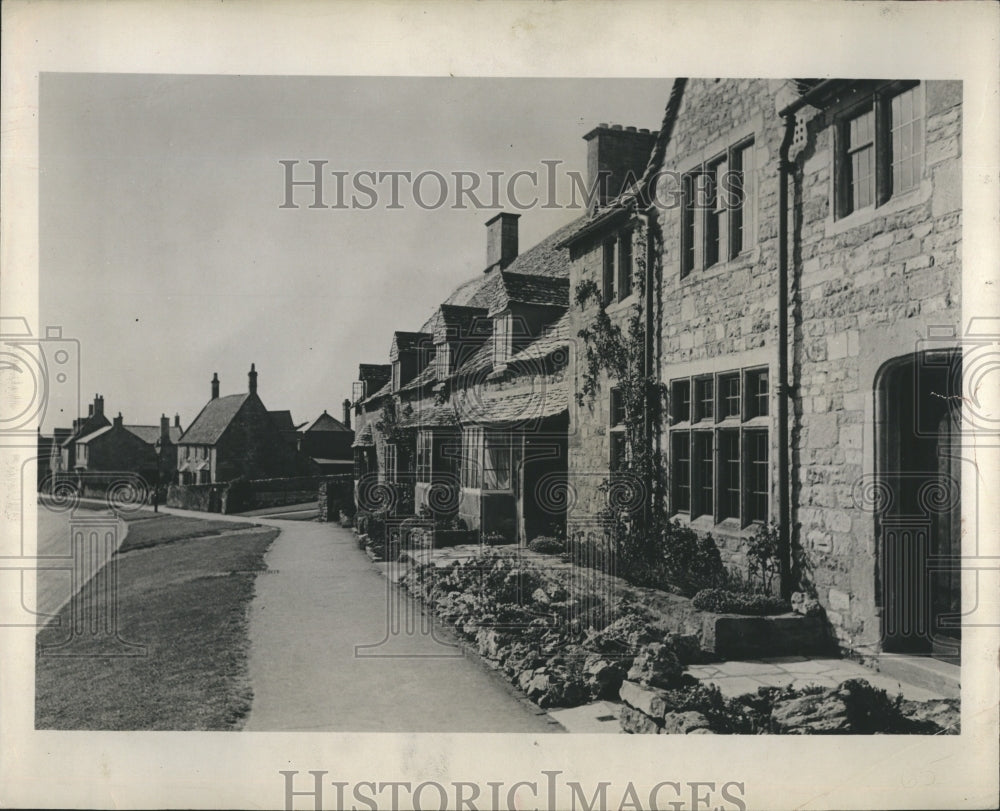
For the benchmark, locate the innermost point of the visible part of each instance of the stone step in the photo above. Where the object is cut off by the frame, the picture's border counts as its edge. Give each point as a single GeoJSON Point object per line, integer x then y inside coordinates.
{"type": "Point", "coordinates": [933, 674]}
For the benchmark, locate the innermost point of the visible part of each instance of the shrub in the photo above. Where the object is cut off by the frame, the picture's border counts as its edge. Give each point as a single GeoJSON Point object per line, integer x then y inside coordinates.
{"type": "Point", "coordinates": [689, 561]}
{"type": "Point", "coordinates": [724, 601]}
{"type": "Point", "coordinates": [546, 545]}
{"type": "Point", "coordinates": [763, 566]}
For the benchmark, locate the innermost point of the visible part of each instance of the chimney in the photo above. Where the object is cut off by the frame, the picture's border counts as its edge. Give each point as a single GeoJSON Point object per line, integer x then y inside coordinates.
{"type": "Point", "coordinates": [215, 385]}
{"type": "Point", "coordinates": [90, 410]}
{"type": "Point", "coordinates": [99, 405]}
{"type": "Point", "coordinates": [252, 375]}
{"type": "Point", "coordinates": [347, 413]}
{"type": "Point", "coordinates": [118, 420]}
{"type": "Point", "coordinates": [164, 429]}
{"type": "Point", "coordinates": [501, 240]}
{"type": "Point", "coordinates": [616, 157]}
{"type": "Point", "coordinates": [177, 421]}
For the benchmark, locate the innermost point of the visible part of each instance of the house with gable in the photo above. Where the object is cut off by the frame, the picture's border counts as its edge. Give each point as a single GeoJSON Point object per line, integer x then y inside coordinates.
{"type": "Point", "coordinates": [327, 441]}
{"type": "Point", "coordinates": [148, 450]}
{"type": "Point", "coordinates": [236, 436]}
{"type": "Point", "coordinates": [64, 454]}
{"type": "Point", "coordinates": [793, 251]}
{"type": "Point", "coordinates": [472, 420]}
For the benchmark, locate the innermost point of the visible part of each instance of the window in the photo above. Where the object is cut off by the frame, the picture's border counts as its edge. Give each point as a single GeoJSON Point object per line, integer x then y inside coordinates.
{"type": "Point", "coordinates": [880, 147]}
{"type": "Point", "coordinates": [729, 395]}
{"type": "Point", "coordinates": [391, 463]}
{"type": "Point", "coordinates": [757, 393]}
{"type": "Point", "coordinates": [717, 214]}
{"type": "Point", "coordinates": [502, 339]}
{"type": "Point", "coordinates": [396, 375]}
{"type": "Point", "coordinates": [680, 401]}
{"type": "Point", "coordinates": [617, 408]}
{"type": "Point", "coordinates": [719, 446]}
{"type": "Point", "coordinates": [425, 455]}
{"type": "Point", "coordinates": [497, 461]}
{"type": "Point", "coordinates": [358, 391]}
{"type": "Point", "coordinates": [704, 399]}
{"type": "Point", "coordinates": [442, 360]}
{"type": "Point", "coordinates": [472, 445]}
{"type": "Point", "coordinates": [618, 453]}
{"type": "Point", "coordinates": [616, 279]}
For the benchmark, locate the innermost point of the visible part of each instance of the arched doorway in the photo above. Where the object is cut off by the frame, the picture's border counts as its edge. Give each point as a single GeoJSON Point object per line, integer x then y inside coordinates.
{"type": "Point", "coordinates": [918, 531]}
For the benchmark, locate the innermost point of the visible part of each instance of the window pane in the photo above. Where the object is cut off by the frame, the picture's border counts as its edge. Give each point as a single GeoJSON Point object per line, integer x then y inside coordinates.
{"type": "Point", "coordinates": [496, 464]}
{"type": "Point", "coordinates": [907, 140]}
{"type": "Point", "coordinates": [757, 475]}
{"type": "Point", "coordinates": [680, 470]}
{"type": "Point", "coordinates": [687, 225]}
{"type": "Point", "coordinates": [704, 398]}
{"type": "Point", "coordinates": [757, 393]}
{"type": "Point", "coordinates": [741, 216]}
{"type": "Point", "coordinates": [729, 474]}
{"type": "Point", "coordinates": [617, 408]}
{"type": "Point", "coordinates": [729, 396]}
{"type": "Point", "coordinates": [617, 461]}
{"type": "Point", "coordinates": [702, 474]}
{"type": "Point", "coordinates": [680, 400]}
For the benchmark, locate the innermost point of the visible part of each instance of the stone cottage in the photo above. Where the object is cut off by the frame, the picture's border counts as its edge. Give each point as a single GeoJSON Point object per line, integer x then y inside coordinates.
{"type": "Point", "coordinates": [793, 252]}
{"type": "Point", "coordinates": [327, 441]}
{"type": "Point", "coordinates": [236, 436]}
{"type": "Point", "coordinates": [471, 421]}
{"type": "Point", "coordinates": [148, 450]}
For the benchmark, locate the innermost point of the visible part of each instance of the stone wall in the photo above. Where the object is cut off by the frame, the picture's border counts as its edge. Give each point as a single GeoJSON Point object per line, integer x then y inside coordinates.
{"type": "Point", "coordinates": [336, 495]}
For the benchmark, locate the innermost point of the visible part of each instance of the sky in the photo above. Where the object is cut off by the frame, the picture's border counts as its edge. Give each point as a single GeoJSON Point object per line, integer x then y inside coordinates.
{"type": "Point", "coordinates": [165, 250]}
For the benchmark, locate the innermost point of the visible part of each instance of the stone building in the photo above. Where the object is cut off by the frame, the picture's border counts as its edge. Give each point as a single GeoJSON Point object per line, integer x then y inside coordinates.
{"type": "Point", "coordinates": [236, 436]}
{"type": "Point", "coordinates": [792, 249]}
{"type": "Point", "coordinates": [472, 418]}
{"type": "Point", "coordinates": [148, 450]}
{"type": "Point", "coordinates": [65, 460]}
{"type": "Point", "coordinates": [327, 441]}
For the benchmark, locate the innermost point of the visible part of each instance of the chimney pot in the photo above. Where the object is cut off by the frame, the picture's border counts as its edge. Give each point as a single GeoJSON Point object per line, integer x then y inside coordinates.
{"type": "Point", "coordinates": [118, 420]}
{"type": "Point", "coordinates": [177, 420]}
{"type": "Point", "coordinates": [630, 129]}
{"type": "Point", "coordinates": [164, 428]}
{"type": "Point", "coordinates": [616, 126]}
{"type": "Point", "coordinates": [252, 376]}
{"type": "Point", "coordinates": [501, 240]}
{"type": "Point", "coordinates": [616, 158]}
{"type": "Point", "coordinates": [215, 385]}
{"type": "Point", "coordinates": [347, 413]}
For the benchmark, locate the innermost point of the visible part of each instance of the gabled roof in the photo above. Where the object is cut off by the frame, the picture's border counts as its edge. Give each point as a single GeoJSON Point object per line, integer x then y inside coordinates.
{"type": "Point", "coordinates": [88, 426]}
{"type": "Point", "coordinates": [427, 375]}
{"type": "Point", "coordinates": [213, 420]}
{"type": "Point", "coordinates": [83, 440]}
{"type": "Point", "coordinates": [553, 339]}
{"type": "Point", "coordinates": [283, 419]}
{"type": "Point", "coordinates": [382, 392]}
{"type": "Point", "coordinates": [324, 422]}
{"type": "Point", "coordinates": [370, 372]}
{"type": "Point", "coordinates": [409, 341]}
{"type": "Point", "coordinates": [151, 433]}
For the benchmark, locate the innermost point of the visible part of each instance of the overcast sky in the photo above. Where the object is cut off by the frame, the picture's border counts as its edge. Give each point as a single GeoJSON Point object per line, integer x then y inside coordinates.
{"type": "Point", "coordinates": [165, 251]}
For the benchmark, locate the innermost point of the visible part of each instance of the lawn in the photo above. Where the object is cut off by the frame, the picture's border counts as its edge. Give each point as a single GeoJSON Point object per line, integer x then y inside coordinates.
{"type": "Point", "coordinates": [183, 593]}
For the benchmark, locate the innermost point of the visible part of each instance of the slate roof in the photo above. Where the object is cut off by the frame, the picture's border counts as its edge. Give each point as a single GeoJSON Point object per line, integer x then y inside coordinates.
{"type": "Point", "coordinates": [409, 341]}
{"type": "Point", "coordinates": [363, 438]}
{"type": "Point", "coordinates": [434, 416]}
{"type": "Point", "coordinates": [487, 406]}
{"type": "Point", "coordinates": [213, 420]}
{"type": "Point", "coordinates": [151, 433]}
{"type": "Point", "coordinates": [386, 389]}
{"type": "Point", "coordinates": [88, 426]}
{"type": "Point", "coordinates": [93, 435]}
{"type": "Point", "coordinates": [555, 338]}
{"type": "Point", "coordinates": [283, 419]}
{"type": "Point", "coordinates": [324, 422]}
{"type": "Point", "coordinates": [428, 375]}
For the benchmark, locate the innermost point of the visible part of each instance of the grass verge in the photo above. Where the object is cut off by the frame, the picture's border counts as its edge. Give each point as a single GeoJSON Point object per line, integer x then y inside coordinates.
{"type": "Point", "coordinates": [185, 600]}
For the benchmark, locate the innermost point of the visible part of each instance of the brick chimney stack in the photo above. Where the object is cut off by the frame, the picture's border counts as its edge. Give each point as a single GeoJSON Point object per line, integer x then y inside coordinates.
{"type": "Point", "coordinates": [164, 429]}
{"type": "Point", "coordinates": [177, 421]}
{"type": "Point", "coordinates": [215, 385]}
{"type": "Point", "coordinates": [118, 420]}
{"type": "Point", "coordinates": [347, 413]}
{"type": "Point", "coordinates": [252, 375]}
{"type": "Point", "coordinates": [616, 155]}
{"type": "Point", "coordinates": [501, 240]}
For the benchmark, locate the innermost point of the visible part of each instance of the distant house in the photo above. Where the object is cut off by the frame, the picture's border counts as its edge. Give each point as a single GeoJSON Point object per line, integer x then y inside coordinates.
{"type": "Point", "coordinates": [142, 449]}
{"type": "Point", "coordinates": [327, 441]}
{"type": "Point", "coordinates": [286, 425]}
{"type": "Point", "coordinates": [65, 461]}
{"type": "Point", "coordinates": [236, 436]}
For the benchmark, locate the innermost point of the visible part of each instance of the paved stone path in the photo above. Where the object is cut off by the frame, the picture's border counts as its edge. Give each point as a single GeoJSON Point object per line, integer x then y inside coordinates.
{"type": "Point", "coordinates": [737, 678]}
{"type": "Point", "coordinates": [320, 599]}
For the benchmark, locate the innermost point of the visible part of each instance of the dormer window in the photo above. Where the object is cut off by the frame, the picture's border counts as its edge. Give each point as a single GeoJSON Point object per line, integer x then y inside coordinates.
{"type": "Point", "coordinates": [502, 339]}
{"type": "Point", "coordinates": [442, 360]}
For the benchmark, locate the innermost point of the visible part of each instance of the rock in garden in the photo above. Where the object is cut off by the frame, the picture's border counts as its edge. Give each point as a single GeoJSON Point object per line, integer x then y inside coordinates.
{"type": "Point", "coordinates": [821, 713]}
{"type": "Point", "coordinates": [649, 700]}
{"type": "Point", "coordinates": [683, 723]}
{"type": "Point", "coordinates": [636, 722]}
{"type": "Point", "coordinates": [805, 605]}
{"type": "Point", "coordinates": [656, 665]}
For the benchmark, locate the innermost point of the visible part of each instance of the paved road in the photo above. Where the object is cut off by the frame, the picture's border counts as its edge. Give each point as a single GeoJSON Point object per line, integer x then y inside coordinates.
{"type": "Point", "coordinates": [322, 597]}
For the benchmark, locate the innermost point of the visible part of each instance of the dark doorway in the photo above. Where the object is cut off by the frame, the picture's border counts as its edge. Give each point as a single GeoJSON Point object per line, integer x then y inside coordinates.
{"type": "Point", "coordinates": [918, 518]}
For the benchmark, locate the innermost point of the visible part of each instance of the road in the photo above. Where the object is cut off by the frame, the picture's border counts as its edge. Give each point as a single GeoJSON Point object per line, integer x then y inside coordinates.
{"type": "Point", "coordinates": [320, 599]}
